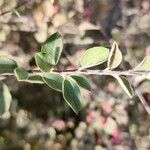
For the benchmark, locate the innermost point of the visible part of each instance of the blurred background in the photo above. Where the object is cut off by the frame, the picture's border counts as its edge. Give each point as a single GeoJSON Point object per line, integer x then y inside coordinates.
{"type": "Point", "coordinates": [39, 118]}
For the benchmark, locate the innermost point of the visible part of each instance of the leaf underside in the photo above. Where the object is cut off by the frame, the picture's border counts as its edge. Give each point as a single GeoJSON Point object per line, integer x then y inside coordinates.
{"type": "Point", "coordinates": [94, 56]}
{"type": "Point", "coordinates": [5, 98]}
{"type": "Point", "coordinates": [115, 57]}
{"type": "Point", "coordinates": [144, 65]}
{"type": "Point", "coordinates": [126, 86]}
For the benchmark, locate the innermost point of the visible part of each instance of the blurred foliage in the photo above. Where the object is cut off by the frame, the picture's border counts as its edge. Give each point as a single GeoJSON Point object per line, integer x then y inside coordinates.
{"type": "Point", "coordinates": [39, 117]}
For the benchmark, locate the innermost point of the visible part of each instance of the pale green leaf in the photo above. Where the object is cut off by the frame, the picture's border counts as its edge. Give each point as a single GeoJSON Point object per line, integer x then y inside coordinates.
{"type": "Point", "coordinates": [82, 81]}
{"type": "Point", "coordinates": [16, 12]}
{"type": "Point", "coordinates": [5, 98]}
{"type": "Point", "coordinates": [41, 63]}
{"type": "Point", "coordinates": [126, 86]}
{"type": "Point", "coordinates": [94, 56]}
{"type": "Point", "coordinates": [53, 80]}
{"type": "Point", "coordinates": [21, 74]}
{"type": "Point", "coordinates": [7, 65]}
{"type": "Point", "coordinates": [71, 94]}
{"type": "Point", "coordinates": [115, 57]}
{"type": "Point", "coordinates": [52, 49]}
{"type": "Point", "coordinates": [144, 65]}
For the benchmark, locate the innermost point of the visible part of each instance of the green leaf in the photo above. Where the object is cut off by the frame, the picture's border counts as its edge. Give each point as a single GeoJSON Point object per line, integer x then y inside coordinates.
{"type": "Point", "coordinates": [35, 79]}
{"type": "Point", "coordinates": [5, 98]}
{"type": "Point", "coordinates": [82, 81]}
{"type": "Point", "coordinates": [126, 86]}
{"type": "Point", "coordinates": [94, 56]}
{"type": "Point", "coordinates": [71, 94]}
{"type": "Point", "coordinates": [41, 63]}
{"type": "Point", "coordinates": [7, 65]}
{"type": "Point", "coordinates": [53, 80]}
{"type": "Point", "coordinates": [21, 74]}
{"type": "Point", "coordinates": [144, 65]}
{"type": "Point", "coordinates": [52, 49]}
{"type": "Point", "coordinates": [115, 57]}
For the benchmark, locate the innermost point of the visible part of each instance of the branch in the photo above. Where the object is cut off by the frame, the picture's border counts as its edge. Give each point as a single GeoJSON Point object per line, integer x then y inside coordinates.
{"type": "Point", "coordinates": [143, 101]}
{"type": "Point", "coordinates": [90, 72]}
{"type": "Point", "coordinates": [103, 72]}
{"type": "Point", "coordinates": [82, 71]}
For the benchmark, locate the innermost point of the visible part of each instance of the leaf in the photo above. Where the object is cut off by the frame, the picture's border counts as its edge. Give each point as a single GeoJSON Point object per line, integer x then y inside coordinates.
{"type": "Point", "coordinates": [21, 74]}
{"type": "Point", "coordinates": [71, 94]}
{"type": "Point", "coordinates": [53, 80]}
{"type": "Point", "coordinates": [144, 65]}
{"type": "Point", "coordinates": [52, 49]}
{"type": "Point", "coordinates": [5, 98]}
{"type": "Point", "coordinates": [41, 63]}
{"type": "Point", "coordinates": [16, 12]}
{"type": "Point", "coordinates": [115, 57]}
{"type": "Point", "coordinates": [35, 79]}
{"type": "Point", "coordinates": [82, 81]}
{"type": "Point", "coordinates": [7, 65]}
{"type": "Point", "coordinates": [94, 56]}
{"type": "Point", "coordinates": [124, 83]}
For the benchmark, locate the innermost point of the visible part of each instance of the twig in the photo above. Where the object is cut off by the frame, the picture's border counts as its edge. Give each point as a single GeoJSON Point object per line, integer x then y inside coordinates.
{"type": "Point", "coordinates": [17, 7]}
{"type": "Point", "coordinates": [143, 101]}
{"type": "Point", "coordinates": [131, 73]}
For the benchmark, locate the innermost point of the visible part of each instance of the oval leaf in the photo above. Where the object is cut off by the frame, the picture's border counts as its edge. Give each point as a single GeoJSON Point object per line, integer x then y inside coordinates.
{"type": "Point", "coordinates": [41, 63]}
{"type": "Point", "coordinates": [144, 65]}
{"type": "Point", "coordinates": [53, 80]}
{"type": "Point", "coordinates": [52, 48]}
{"type": "Point", "coordinates": [21, 74]}
{"type": "Point", "coordinates": [35, 79]}
{"type": "Point", "coordinates": [71, 94]}
{"type": "Point", "coordinates": [94, 56]}
{"type": "Point", "coordinates": [7, 65]}
{"type": "Point", "coordinates": [5, 98]}
{"type": "Point", "coordinates": [115, 56]}
{"type": "Point", "coordinates": [126, 86]}
{"type": "Point", "coordinates": [82, 81]}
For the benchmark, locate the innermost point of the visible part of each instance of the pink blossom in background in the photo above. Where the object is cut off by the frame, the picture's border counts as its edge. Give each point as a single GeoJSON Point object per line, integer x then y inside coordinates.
{"type": "Point", "coordinates": [102, 121]}
{"type": "Point", "coordinates": [106, 107]}
{"type": "Point", "coordinates": [90, 117]}
{"type": "Point", "coordinates": [116, 137]}
{"type": "Point", "coordinates": [59, 125]}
